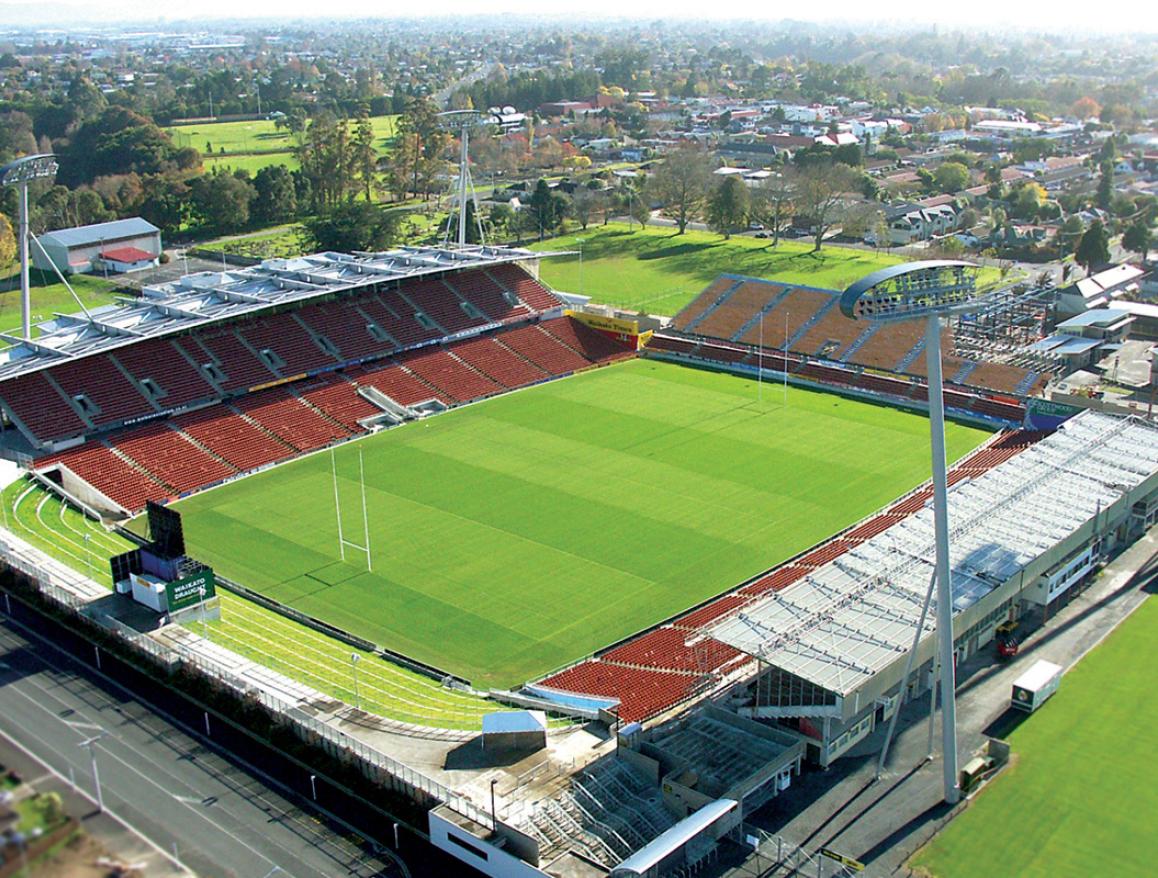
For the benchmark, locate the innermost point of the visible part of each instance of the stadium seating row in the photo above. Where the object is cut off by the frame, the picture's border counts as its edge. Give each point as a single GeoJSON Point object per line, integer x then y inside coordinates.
{"type": "Point", "coordinates": [86, 396]}
{"type": "Point", "coordinates": [658, 670]}
{"type": "Point", "coordinates": [1007, 408]}
{"type": "Point", "coordinates": [171, 457]}
{"type": "Point", "coordinates": [746, 311]}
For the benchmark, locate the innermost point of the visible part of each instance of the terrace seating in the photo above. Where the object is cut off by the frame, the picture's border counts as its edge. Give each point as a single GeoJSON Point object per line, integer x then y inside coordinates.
{"type": "Point", "coordinates": [997, 376]}
{"type": "Point", "coordinates": [782, 577]}
{"type": "Point", "coordinates": [454, 378]}
{"type": "Point", "coordinates": [668, 649]}
{"type": "Point", "coordinates": [886, 348]}
{"type": "Point", "coordinates": [711, 613]}
{"type": "Point", "coordinates": [232, 438]}
{"type": "Point", "coordinates": [497, 362]}
{"type": "Point", "coordinates": [396, 318]}
{"type": "Point", "coordinates": [829, 335]}
{"type": "Point", "coordinates": [737, 310]}
{"type": "Point", "coordinates": [821, 555]}
{"type": "Point", "coordinates": [528, 290]}
{"type": "Point", "coordinates": [345, 327]}
{"type": "Point", "coordinates": [584, 340]}
{"type": "Point", "coordinates": [441, 303]}
{"type": "Point", "coordinates": [997, 409]}
{"type": "Point", "coordinates": [171, 458]}
{"type": "Point", "coordinates": [282, 413]}
{"type": "Point", "coordinates": [41, 409]}
{"type": "Point", "coordinates": [401, 385]}
{"type": "Point", "coordinates": [642, 692]}
{"type": "Point", "coordinates": [338, 397]}
{"type": "Point", "coordinates": [543, 350]}
{"type": "Point", "coordinates": [111, 475]}
{"type": "Point", "coordinates": [289, 340]}
{"type": "Point", "coordinates": [797, 307]}
{"type": "Point", "coordinates": [671, 344]}
{"type": "Point", "coordinates": [100, 381]}
{"type": "Point", "coordinates": [478, 288]}
{"type": "Point", "coordinates": [241, 367]}
{"type": "Point", "coordinates": [161, 362]}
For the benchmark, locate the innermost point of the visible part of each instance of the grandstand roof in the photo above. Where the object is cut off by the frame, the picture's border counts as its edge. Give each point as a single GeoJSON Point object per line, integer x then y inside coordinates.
{"type": "Point", "coordinates": [210, 296]}
{"type": "Point", "coordinates": [855, 616]}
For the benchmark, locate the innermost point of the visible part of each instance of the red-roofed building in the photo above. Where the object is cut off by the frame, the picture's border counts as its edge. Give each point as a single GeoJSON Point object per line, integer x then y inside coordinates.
{"type": "Point", "coordinates": [123, 259]}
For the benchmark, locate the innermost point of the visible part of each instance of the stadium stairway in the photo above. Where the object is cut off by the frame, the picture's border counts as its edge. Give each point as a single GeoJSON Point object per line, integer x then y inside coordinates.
{"type": "Point", "coordinates": [815, 318]}
{"type": "Point", "coordinates": [859, 342]}
{"type": "Point", "coordinates": [723, 297]}
{"type": "Point", "coordinates": [1023, 386]}
{"type": "Point", "coordinates": [770, 306]}
{"type": "Point", "coordinates": [961, 376]}
{"type": "Point", "coordinates": [911, 357]}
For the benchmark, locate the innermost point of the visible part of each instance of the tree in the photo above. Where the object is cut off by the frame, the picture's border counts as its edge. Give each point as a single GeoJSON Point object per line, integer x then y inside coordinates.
{"type": "Point", "coordinates": [1105, 194]}
{"type": "Point", "coordinates": [1137, 238]}
{"type": "Point", "coordinates": [584, 202]}
{"type": "Point", "coordinates": [222, 201]}
{"type": "Point", "coordinates": [860, 219]}
{"type": "Point", "coordinates": [772, 201]}
{"type": "Point", "coordinates": [1094, 247]}
{"type": "Point", "coordinates": [681, 184]}
{"type": "Point", "coordinates": [354, 225]}
{"type": "Point", "coordinates": [363, 158]}
{"type": "Point", "coordinates": [951, 177]}
{"type": "Point", "coordinates": [164, 202]}
{"type": "Point", "coordinates": [728, 206]}
{"type": "Point", "coordinates": [1030, 199]}
{"type": "Point", "coordinates": [546, 209]}
{"type": "Point", "coordinates": [1086, 108]}
{"type": "Point", "coordinates": [276, 199]}
{"type": "Point", "coordinates": [819, 196]}
{"type": "Point", "coordinates": [7, 243]}
{"type": "Point", "coordinates": [1070, 233]}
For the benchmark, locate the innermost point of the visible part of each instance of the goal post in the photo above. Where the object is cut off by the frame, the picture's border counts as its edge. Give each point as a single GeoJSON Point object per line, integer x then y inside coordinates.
{"type": "Point", "coordinates": [344, 543]}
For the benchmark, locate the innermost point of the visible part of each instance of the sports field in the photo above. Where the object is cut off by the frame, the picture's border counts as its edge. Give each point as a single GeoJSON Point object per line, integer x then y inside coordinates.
{"type": "Point", "coordinates": [300, 653]}
{"type": "Point", "coordinates": [526, 531]}
{"type": "Point", "coordinates": [1080, 798]}
{"type": "Point", "coordinates": [657, 271]}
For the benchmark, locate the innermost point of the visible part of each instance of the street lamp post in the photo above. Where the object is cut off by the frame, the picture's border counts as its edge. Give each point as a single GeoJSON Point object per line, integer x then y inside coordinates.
{"type": "Point", "coordinates": [930, 291]}
{"type": "Point", "coordinates": [90, 743]}
{"type": "Point", "coordinates": [20, 173]}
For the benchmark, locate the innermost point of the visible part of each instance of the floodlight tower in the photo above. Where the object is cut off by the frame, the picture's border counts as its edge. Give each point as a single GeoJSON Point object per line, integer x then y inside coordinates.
{"type": "Point", "coordinates": [20, 172]}
{"type": "Point", "coordinates": [461, 122]}
{"type": "Point", "coordinates": [913, 291]}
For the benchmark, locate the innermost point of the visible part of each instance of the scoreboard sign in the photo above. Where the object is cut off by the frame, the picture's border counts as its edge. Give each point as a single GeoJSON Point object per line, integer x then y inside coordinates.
{"type": "Point", "coordinates": [191, 590]}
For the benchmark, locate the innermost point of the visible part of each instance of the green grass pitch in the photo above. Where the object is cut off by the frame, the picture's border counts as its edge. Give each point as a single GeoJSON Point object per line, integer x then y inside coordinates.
{"type": "Point", "coordinates": [1081, 796]}
{"type": "Point", "coordinates": [515, 535]}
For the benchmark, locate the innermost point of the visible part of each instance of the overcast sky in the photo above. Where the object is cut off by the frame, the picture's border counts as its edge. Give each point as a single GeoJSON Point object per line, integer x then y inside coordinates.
{"type": "Point", "coordinates": [1042, 15]}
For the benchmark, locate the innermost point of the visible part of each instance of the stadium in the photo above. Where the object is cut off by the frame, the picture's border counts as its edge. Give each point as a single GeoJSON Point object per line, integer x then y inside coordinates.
{"type": "Point", "coordinates": [711, 538]}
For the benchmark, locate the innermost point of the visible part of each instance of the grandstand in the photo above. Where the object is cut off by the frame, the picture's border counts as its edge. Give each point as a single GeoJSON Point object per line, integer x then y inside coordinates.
{"type": "Point", "coordinates": [157, 399]}
{"type": "Point", "coordinates": [727, 321]}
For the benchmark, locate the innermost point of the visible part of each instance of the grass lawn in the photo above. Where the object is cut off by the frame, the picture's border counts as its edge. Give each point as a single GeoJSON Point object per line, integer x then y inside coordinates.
{"type": "Point", "coordinates": [255, 144]}
{"type": "Point", "coordinates": [657, 271]}
{"type": "Point", "coordinates": [51, 298]}
{"type": "Point", "coordinates": [34, 814]}
{"type": "Point", "coordinates": [1081, 797]}
{"type": "Point", "coordinates": [515, 535]}
{"type": "Point", "coordinates": [251, 163]}
{"type": "Point", "coordinates": [259, 634]}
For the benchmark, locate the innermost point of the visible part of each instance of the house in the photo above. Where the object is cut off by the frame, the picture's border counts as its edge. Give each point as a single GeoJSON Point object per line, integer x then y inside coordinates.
{"type": "Point", "coordinates": [841, 138]}
{"type": "Point", "coordinates": [910, 222]}
{"type": "Point", "coordinates": [1098, 290]}
{"type": "Point", "coordinates": [133, 242]}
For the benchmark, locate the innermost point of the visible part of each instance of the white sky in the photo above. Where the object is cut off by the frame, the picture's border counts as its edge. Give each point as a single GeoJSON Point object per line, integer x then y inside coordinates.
{"type": "Point", "coordinates": [1033, 15]}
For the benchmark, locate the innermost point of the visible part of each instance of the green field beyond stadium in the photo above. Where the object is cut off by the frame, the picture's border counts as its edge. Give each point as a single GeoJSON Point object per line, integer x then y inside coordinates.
{"type": "Point", "coordinates": [526, 531]}
{"type": "Point", "coordinates": [1082, 792]}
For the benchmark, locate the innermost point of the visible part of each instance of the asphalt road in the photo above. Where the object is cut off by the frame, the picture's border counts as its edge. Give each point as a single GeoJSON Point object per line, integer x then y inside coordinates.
{"type": "Point", "coordinates": [219, 819]}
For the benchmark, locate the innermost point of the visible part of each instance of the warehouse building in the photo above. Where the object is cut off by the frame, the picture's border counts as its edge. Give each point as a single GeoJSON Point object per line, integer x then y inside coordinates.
{"type": "Point", "coordinates": [117, 246]}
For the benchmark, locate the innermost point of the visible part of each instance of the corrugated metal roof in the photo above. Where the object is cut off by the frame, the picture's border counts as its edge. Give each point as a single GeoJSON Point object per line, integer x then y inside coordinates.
{"type": "Point", "coordinates": [675, 838]}
{"type": "Point", "coordinates": [856, 615]}
{"type": "Point", "coordinates": [514, 721]}
{"type": "Point", "coordinates": [83, 236]}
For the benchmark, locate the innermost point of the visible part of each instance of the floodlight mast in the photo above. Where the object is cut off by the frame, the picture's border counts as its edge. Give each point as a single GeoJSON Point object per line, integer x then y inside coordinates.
{"type": "Point", "coordinates": [928, 290]}
{"type": "Point", "coordinates": [19, 173]}
{"type": "Point", "coordinates": [461, 121]}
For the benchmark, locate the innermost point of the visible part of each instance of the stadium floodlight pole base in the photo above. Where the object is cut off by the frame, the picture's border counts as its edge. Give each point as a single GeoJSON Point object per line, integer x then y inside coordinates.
{"type": "Point", "coordinates": [944, 582]}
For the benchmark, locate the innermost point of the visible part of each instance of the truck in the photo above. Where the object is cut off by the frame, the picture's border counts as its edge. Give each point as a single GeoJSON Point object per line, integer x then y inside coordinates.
{"type": "Point", "coordinates": [1032, 688]}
